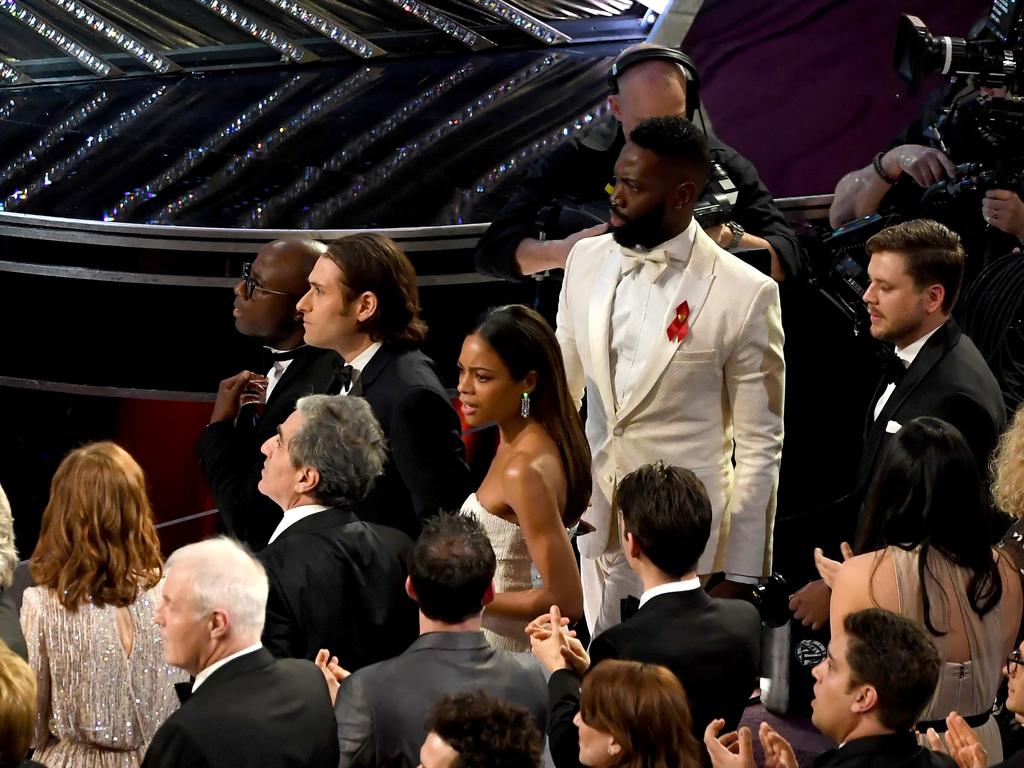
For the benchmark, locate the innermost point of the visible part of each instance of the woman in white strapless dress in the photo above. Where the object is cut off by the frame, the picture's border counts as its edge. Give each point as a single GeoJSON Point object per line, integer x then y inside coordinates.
{"type": "Point", "coordinates": [511, 374]}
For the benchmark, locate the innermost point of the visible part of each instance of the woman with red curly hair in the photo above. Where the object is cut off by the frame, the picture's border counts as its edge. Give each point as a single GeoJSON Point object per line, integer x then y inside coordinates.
{"type": "Point", "coordinates": [103, 685]}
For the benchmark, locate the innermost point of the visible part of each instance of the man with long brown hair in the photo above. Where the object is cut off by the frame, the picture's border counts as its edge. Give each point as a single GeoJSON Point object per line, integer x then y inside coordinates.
{"type": "Point", "coordinates": [364, 304]}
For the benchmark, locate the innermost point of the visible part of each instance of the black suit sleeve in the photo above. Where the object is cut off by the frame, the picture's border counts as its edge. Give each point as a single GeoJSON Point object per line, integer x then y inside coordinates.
{"type": "Point", "coordinates": [226, 464]}
{"type": "Point", "coordinates": [756, 212]}
{"type": "Point", "coordinates": [173, 747]}
{"type": "Point", "coordinates": [280, 629]}
{"type": "Point", "coordinates": [563, 704]}
{"type": "Point", "coordinates": [355, 724]}
{"type": "Point", "coordinates": [974, 423]}
{"type": "Point", "coordinates": [601, 648]}
{"type": "Point", "coordinates": [428, 453]}
{"type": "Point", "coordinates": [565, 172]}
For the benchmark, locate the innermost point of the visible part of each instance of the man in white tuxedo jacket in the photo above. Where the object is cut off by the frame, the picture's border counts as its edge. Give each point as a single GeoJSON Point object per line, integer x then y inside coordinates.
{"type": "Point", "coordinates": [678, 345]}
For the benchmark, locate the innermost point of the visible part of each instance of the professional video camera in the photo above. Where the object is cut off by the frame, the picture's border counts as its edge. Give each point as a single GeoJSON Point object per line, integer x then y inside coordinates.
{"type": "Point", "coordinates": [993, 56]}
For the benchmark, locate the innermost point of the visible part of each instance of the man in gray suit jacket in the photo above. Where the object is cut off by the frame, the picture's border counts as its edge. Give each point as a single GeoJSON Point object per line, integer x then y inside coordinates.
{"type": "Point", "coordinates": [382, 709]}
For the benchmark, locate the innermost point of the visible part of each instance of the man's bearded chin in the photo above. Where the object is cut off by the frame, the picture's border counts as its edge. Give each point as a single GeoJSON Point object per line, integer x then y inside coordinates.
{"type": "Point", "coordinates": [643, 232]}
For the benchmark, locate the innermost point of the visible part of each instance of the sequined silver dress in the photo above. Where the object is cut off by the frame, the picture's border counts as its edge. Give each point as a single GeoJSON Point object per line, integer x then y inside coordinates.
{"type": "Point", "coordinates": [98, 707]}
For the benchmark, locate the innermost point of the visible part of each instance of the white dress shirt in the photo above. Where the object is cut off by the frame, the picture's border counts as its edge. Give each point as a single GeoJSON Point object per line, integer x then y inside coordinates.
{"type": "Point", "coordinates": [907, 355]}
{"type": "Point", "coordinates": [683, 585]}
{"type": "Point", "coordinates": [639, 309]}
{"type": "Point", "coordinates": [275, 373]}
{"type": "Point", "coordinates": [359, 363]}
{"type": "Point", "coordinates": [201, 677]}
{"type": "Point", "coordinates": [292, 516]}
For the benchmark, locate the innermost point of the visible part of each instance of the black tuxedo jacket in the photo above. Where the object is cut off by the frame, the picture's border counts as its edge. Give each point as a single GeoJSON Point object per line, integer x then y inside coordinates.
{"type": "Point", "coordinates": [426, 472]}
{"type": "Point", "coordinates": [229, 453]}
{"type": "Point", "coordinates": [376, 727]}
{"type": "Point", "coordinates": [949, 380]}
{"type": "Point", "coordinates": [337, 582]}
{"type": "Point", "coordinates": [712, 645]}
{"type": "Point", "coordinates": [254, 710]}
{"type": "Point", "coordinates": [894, 750]}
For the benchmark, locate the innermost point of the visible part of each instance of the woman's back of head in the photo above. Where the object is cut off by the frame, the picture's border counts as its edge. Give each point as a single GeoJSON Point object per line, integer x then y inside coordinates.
{"type": "Point", "coordinates": [643, 707]}
{"type": "Point", "coordinates": [97, 542]}
{"type": "Point", "coordinates": [928, 493]}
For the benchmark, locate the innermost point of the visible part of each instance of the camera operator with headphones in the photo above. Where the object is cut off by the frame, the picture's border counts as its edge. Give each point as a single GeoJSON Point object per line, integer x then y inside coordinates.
{"type": "Point", "coordinates": [564, 198]}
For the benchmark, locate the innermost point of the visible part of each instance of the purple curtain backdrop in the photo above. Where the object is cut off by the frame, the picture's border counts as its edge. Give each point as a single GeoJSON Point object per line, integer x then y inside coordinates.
{"type": "Point", "coordinates": [806, 89]}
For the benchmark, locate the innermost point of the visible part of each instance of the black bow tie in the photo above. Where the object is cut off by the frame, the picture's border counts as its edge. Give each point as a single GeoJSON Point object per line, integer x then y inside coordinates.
{"type": "Point", "coordinates": [894, 368]}
{"type": "Point", "coordinates": [184, 691]}
{"type": "Point", "coordinates": [343, 373]}
{"type": "Point", "coordinates": [628, 606]}
{"type": "Point", "coordinates": [271, 356]}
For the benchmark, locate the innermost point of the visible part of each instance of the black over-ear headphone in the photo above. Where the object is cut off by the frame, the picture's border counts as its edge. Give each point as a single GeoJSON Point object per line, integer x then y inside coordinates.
{"type": "Point", "coordinates": [660, 53]}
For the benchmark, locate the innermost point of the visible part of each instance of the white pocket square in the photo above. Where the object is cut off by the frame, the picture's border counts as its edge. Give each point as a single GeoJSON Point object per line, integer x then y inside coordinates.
{"type": "Point", "coordinates": [893, 427]}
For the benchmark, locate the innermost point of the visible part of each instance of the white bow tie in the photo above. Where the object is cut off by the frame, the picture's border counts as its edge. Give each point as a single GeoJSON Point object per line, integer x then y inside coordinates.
{"type": "Point", "coordinates": [653, 262]}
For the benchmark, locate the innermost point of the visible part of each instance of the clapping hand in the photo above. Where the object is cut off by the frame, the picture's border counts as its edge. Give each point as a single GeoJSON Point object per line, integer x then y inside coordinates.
{"type": "Point", "coordinates": [778, 753]}
{"type": "Point", "coordinates": [333, 672]}
{"type": "Point", "coordinates": [557, 648]}
{"type": "Point", "coordinates": [961, 743]}
{"type": "Point", "coordinates": [827, 567]}
{"type": "Point", "coordinates": [730, 750]}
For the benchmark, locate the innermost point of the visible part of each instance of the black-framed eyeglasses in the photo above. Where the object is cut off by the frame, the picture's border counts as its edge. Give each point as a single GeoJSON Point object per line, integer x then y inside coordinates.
{"type": "Point", "coordinates": [1013, 661]}
{"type": "Point", "coordinates": [251, 286]}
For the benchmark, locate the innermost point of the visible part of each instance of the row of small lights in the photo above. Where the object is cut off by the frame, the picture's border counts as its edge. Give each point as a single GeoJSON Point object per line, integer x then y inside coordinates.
{"type": "Point", "coordinates": [50, 33]}
{"type": "Point", "coordinates": [442, 23]}
{"type": "Point", "coordinates": [532, 26]}
{"type": "Point", "coordinates": [239, 19]}
{"type": "Point", "coordinates": [62, 168]}
{"type": "Point", "coordinates": [97, 24]}
{"type": "Point", "coordinates": [310, 176]}
{"type": "Point", "coordinates": [131, 200]}
{"type": "Point", "coordinates": [317, 216]}
{"type": "Point", "coordinates": [261, 147]}
{"type": "Point", "coordinates": [329, 27]}
{"type": "Point", "coordinates": [52, 137]}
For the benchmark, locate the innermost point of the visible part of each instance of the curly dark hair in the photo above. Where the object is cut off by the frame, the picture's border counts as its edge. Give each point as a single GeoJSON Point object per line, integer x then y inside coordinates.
{"type": "Point", "coordinates": [486, 732]}
{"type": "Point", "coordinates": [450, 567]}
{"type": "Point", "coordinates": [674, 138]}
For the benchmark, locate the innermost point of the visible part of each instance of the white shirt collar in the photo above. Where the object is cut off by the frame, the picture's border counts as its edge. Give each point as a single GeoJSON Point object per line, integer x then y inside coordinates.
{"type": "Point", "coordinates": [202, 676]}
{"type": "Point", "coordinates": [683, 585]}
{"type": "Point", "coordinates": [909, 352]}
{"type": "Point", "coordinates": [292, 516]}
{"type": "Point", "coordinates": [363, 358]}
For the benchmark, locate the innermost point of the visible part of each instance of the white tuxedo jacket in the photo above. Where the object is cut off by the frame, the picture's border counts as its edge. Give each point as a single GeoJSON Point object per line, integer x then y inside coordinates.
{"type": "Point", "coordinates": [694, 402]}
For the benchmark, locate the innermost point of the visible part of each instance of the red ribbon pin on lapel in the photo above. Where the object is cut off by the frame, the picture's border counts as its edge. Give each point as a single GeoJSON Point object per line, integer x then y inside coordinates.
{"type": "Point", "coordinates": [680, 326]}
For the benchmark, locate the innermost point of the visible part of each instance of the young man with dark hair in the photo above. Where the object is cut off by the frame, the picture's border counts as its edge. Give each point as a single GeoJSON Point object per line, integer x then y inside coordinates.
{"type": "Point", "coordinates": [880, 673]}
{"type": "Point", "coordinates": [678, 345]}
{"type": "Point", "coordinates": [381, 709]}
{"type": "Point", "coordinates": [364, 304]}
{"type": "Point", "coordinates": [229, 448]}
{"type": "Point", "coordinates": [712, 645]}
{"type": "Point", "coordinates": [916, 269]}
{"type": "Point", "coordinates": [474, 730]}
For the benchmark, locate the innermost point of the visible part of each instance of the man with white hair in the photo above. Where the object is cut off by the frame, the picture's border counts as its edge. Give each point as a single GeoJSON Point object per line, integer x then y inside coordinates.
{"type": "Point", "coordinates": [244, 708]}
{"type": "Point", "coordinates": [335, 581]}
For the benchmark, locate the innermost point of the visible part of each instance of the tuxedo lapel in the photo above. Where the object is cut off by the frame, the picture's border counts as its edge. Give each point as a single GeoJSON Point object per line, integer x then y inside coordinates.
{"type": "Point", "coordinates": [943, 340]}
{"type": "Point", "coordinates": [599, 322]}
{"type": "Point", "coordinates": [694, 288]}
{"type": "Point", "coordinates": [373, 369]}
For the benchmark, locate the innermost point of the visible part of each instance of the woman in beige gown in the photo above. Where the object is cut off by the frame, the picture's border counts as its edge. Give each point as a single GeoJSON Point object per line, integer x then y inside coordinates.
{"type": "Point", "coordinates": [511, 374]}
{"type": "Point", "coordinates": [928, 555]}
{"type": "Point", "coordinates": [103, 685]}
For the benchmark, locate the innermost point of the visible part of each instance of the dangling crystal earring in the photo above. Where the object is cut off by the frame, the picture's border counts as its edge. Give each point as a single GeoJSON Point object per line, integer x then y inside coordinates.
{"type": "Point", "coordinates": [524, 405]}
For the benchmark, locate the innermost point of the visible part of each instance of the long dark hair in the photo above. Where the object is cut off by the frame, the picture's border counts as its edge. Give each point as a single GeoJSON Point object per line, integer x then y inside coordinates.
{"type": "Point", "coordinates": [525, 342]}
{"type": "Point", "coordinates": [928, 493]}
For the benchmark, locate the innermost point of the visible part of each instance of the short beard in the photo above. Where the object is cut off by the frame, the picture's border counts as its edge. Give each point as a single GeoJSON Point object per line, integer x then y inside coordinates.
{"type": "Point", "coordinates": [645, 231]}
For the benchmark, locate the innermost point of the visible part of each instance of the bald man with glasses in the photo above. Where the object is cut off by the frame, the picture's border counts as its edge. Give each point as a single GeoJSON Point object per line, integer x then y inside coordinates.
{"type": "Point", "coordinates": [229, 448]}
